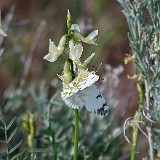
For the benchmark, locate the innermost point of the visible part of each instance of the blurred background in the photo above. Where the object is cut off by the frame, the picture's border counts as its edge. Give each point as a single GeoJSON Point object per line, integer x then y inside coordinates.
{"type": "Point", "coordinates": [29, 26]}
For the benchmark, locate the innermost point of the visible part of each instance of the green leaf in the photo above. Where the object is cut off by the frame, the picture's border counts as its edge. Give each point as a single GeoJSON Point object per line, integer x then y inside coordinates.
{"type": "Point", "coordinates": [2, 152]}
{"type": "Point", "coordinates": [11, 122]}
{"type": "Point", "coordinates": [17, 155]}
{"type": "Point", "coordinates": [39, 150]}
{"type": "Point", "coordinates": [1, 128]}
{"type": "Point", "coordinates": [2, 120]}
{"type": "Point", "coordinates": [12, 134]}
{"type": "Point", "coordinates": [2, 141]}
{"type": "Point", "coordinates": [15, 147]}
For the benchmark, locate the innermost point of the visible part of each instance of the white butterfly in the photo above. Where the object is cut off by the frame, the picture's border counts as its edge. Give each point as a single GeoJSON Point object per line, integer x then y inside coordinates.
{"type": "Point", "coordinates": [83, 92]}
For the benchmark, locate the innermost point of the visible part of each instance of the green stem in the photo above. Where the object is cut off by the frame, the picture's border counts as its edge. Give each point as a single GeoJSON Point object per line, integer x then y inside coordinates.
{"type": "Point", "coordinates": [76, 129]}
{"type": "Point", "coordinates": [52, 141]}
{"type": "Point", "coordinates": [6, 140]}
{"type": "Point", "coordinates": [76, 132]}
{"type": "Point", "coordinates": [135, 135]}
{"type": "Point", "coordinates": [137, 116]}
{"type": "Point", "coordinates": [54, 145]}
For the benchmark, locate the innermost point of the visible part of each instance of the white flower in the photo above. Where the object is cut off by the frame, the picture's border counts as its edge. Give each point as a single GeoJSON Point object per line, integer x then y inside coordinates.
{"type": "Point", "coordinates": [55, 52]}
{"type": "Point", "coordinates": [87, 61]}
{"type": "Point", "coordinates": [75, 51]}
{"type": "Point", "coordinates": [90, 39]}
{"type": "Point", "coordinates": [75, 27]}
{"type": "Point", "coordinates": [66, 76]}
{"type": "Point", "coordinates": [2, 33]}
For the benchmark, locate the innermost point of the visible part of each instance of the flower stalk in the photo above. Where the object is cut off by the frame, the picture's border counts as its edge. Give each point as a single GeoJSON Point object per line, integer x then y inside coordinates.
{"type": "Point", "coordinates": [76, 119]}
{"type": "Point", "coordinates": [138, 117]}
{"type": "Point", "coordinates": [71, 42]}
{"type": "Point", "coordinates": [76, 134]}
{"type": "Point", "coordinates": [143, 21]}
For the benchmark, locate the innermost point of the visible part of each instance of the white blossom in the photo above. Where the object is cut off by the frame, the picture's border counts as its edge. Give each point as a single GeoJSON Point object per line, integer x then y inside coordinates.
{"type": "Point", "coordinates": [90, 39]}
{"type": "Point", "coordinates": [55, 52]}
{"type": "Point", "coordinates": [75, 27]}
{"type": "Point", "coordinates": [2, 33]}
{"type": "Point", "coordinates": [75, 51]}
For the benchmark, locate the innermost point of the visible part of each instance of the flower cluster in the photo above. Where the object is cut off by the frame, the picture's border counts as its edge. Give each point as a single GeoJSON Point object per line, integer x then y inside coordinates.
{"type": "Point", "coordinates": [73, 42]}
{"type": "Point", "coordinates": [76, 78]}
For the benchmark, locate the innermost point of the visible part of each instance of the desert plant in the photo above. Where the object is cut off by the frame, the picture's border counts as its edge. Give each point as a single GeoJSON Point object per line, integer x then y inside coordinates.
{"type": "Point", "coordinates": [9, 132]}
{"type": "Point", "coordinates": [144, 36]}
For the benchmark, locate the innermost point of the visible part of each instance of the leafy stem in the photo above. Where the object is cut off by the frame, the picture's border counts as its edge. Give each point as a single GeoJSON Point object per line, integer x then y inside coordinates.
{"type": "Point", "coordinates": [76, 133]}
{"type": "Point", "coordinates": [76, 129]}
{"type": "Point", "coordinates": [6, 140]}
{"type": "Point", "coordinates": [138, 118]}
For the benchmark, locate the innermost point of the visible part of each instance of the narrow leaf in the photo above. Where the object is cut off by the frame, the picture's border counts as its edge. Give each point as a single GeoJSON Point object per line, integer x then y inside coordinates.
{"type": "Point", "coordinates": [17, 155]}
{"type": "Point", "coordinates": [39, 150]}
{"type": "Point", "coordinates": [12, 134]}
{"type": "Point", "coordinates": [2, 120]}
{"type": "Point", "coordinates": [2, 152]}
{"type": "Point", "coordinates": [1, 128]}
{"type": "Point", "coordinates": [15, 147]}
{"type": "Point", "coordinates": [1, 141]}
{"type": "Point", "coordinates": [11, 122]}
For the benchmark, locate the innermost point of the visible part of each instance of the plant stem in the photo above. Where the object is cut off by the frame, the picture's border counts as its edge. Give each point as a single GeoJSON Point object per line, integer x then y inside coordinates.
{"type": "Point", "coordinates": [53, 141]}
{"type": "Point", "coordinates": [6, 140]}
{"type": "Point", "coordinates": [135, 135]}
{"type": "Point", "coordinates": [76, 132]}
{"type": "Point", "coordinates": [54, 145]}
{"type": "Point", "coordinates": [138, 118]}
{"type": "Point", "coordinates": [150, 140]}
{"type": "Point", "coordinates": [149, 127]}
{"type": "Point", "coordinates": [76, 118]}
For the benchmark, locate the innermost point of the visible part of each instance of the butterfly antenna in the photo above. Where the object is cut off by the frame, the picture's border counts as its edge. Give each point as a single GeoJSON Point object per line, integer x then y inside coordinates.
{"type": "Point", "coordinates": [98, 67]}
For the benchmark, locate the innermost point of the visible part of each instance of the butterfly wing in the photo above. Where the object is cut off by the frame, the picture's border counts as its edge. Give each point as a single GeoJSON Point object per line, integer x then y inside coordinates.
{"type": "Point", "coordinates": [94, 101]}
{"type": "Point", "coordinates": [73, 101]}
{"type": "Point", "coordinates": [89, 97]}
{"type": "Point", "coordinates": [81, 82]}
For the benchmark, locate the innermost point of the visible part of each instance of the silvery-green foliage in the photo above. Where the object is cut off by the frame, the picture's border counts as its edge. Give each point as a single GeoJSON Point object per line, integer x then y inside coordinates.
{"type": "Point", "coordinates": [9, 133]}
{"type": "Point", "coordinates": [143, 17]}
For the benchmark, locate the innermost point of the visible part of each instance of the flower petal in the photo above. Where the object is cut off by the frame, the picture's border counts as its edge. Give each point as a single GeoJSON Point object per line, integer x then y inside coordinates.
{"type": "Point", "coordinates": [87, 61]}
{"type": "Point", "coordinates": [62, 43]}
{"type": "Point", "coordinates": [90, 39]}
{"type": "Point", "coordinates": [2, 33]}
{"type": "Point", "coordinates": [75, 51]}
{"type": "Point", "coordinates": [53, 52]}
{"type": "Point", "coordinates": [75, 27]}
{"type": "Point", "coordinates": [71, 45]}
{"type": "Point", "coordinates": [52, 47]}
{"type": "Point", "coordinates": [92, 35]}
{"type": "Point", "coordinates": [78, 51]}
{"type": "Point", "coordinates": [50, 57]}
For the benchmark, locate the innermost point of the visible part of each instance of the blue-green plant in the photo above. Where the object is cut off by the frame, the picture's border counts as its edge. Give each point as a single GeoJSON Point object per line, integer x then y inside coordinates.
{"type": "Point", "coordinates": [9, 132]}
{"type": "Point", "coordinates": [143, 17]}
